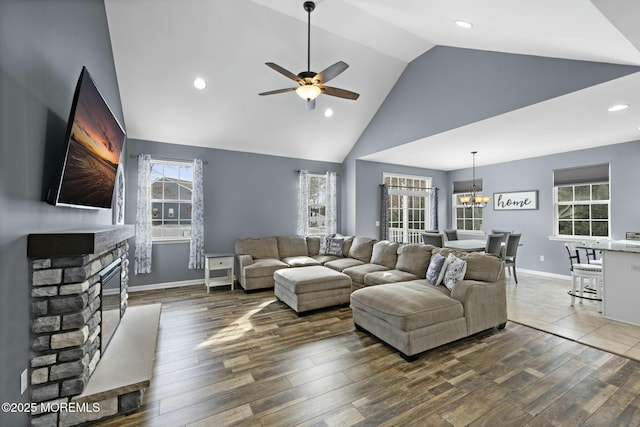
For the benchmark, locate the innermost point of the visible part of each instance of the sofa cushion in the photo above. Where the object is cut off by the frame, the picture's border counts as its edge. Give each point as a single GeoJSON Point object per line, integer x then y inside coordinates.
{"type": "Point", "coordinates": [407, 306]}
{"type": "Point", "coordinates": [362, 248]}
{"type": "Point", "coordinates": [455, 271]}
{"type": "Point", "coordinates": [289, 246]}
{"type": "Point", "coordinates": [481, 267]}
{"type": "Point", "coordinates": [414, 258]}
{"type": "Point", "coordinates": [300, 261]}
{"type": "Point", "coordinates": [385, 253]}
{"type": "Point", "coordinates": [358, 272]}
{"type": "Point", "coordinates": [266, 247]}
{"type": "Point", "coordinates": [442, 289]}
{"type": "Point", "coordinates": [340, 264]}
{"type": "Point", "coordinates": [263, 267]}
{"type": "Point", "coordinates": [313, 245]}
{"type": "Point", "coordinates": [323, 259]}
{"type": "Point", "coordinates": [346, 246]}
{"type": "Point", "coordinates": [389, 276]}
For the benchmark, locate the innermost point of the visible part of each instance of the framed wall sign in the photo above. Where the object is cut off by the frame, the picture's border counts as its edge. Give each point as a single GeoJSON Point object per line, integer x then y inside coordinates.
{"type": "Point", "coordinates": [515, 200]}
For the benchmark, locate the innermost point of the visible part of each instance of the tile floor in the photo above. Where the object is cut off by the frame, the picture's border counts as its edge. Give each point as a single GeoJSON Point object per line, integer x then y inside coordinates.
{"type": "Point", "coordinates": [543, 303]}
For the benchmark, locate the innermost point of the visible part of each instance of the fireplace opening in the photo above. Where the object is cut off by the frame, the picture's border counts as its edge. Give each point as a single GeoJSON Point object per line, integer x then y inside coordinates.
{"type": "Point", "coordinates": [111, 303]}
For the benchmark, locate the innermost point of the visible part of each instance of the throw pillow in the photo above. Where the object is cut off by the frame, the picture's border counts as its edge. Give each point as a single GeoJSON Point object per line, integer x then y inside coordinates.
{"type": "Point", "coordinates": [334, 247]}
{"type": "Point", "coordinates": [455, 271]}
{"type": "Point", "coordinates": [324, 243]}
{"type": "Point", "coordinates": [436, 270]}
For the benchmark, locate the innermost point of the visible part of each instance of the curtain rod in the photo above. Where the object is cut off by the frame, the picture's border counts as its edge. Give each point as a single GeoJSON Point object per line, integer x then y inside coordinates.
{"type": "Point", "coordinates": [315, 173]}
{"type": "Point", "coordinates": [410, 188]}
{"type": "Point", "coordinates": [133, 156]}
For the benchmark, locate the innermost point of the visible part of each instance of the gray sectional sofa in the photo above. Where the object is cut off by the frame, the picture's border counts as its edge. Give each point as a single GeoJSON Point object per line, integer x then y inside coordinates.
{"type": "Point", "coordinates": [406, 311]}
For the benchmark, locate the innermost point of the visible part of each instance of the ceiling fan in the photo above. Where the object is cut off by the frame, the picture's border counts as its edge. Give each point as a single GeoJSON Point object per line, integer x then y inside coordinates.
{"type": "Point", "coordinates": [311, 84]}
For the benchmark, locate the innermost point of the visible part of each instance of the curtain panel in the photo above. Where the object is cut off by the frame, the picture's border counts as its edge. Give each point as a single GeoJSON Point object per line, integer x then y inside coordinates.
{"type": "Point", "coordinates": [142, 259]}
{"type": "Point", "coordinates": [302, 228]}
{"type": "Point", "coordinates": [331, 219]}
{"type": "Point", "coordinates": [196, 243]}
{"type": "Point", "coordinates": [384, 212]}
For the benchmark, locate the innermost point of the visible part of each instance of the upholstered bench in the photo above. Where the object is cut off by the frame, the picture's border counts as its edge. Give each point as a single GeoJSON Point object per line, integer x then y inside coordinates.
{"type": "Point", "coordinates": [309, 288]}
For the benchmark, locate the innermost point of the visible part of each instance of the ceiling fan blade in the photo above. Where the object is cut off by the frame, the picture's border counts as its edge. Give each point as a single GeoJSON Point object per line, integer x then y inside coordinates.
{"type": "Point", "coordinates": [283, 71]}
{"type": "Point", "coordinates": [273, 92]}
{"type": "Point", "coordinates": [340, 93]}
{"type": "Point", "coordinates": [331, 72]}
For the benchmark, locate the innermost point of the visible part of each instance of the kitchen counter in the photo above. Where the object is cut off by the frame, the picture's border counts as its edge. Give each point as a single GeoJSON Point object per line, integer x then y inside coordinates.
{"type": "Point", "coordinates": [621, 279]}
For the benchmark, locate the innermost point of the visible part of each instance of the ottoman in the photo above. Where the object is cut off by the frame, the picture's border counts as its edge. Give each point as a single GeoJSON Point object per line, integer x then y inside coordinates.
{"type": "Point", "coordinates": [310, 288]}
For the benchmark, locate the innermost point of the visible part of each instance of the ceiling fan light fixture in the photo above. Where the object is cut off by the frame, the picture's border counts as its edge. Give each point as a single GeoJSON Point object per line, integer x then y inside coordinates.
{"type": "Point", "coordinates": [308, 92]}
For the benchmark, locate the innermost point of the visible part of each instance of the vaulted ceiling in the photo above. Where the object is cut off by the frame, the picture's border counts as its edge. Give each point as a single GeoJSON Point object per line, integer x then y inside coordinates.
{"type": "Point", "coordinates": [161, 46]}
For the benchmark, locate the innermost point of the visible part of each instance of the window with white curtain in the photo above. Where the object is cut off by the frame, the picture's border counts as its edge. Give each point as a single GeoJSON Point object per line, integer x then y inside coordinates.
{"type": "Point", "coordinates": [171, 188]}
{"type": "Point", "coordinates": [317, 206]}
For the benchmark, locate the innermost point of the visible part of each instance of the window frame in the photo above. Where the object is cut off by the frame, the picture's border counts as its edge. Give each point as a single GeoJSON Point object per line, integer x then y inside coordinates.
{"type": "Point", "coordinates": [590, 202]}
{"type": "Point", "coordinates": [170, 239]}
{"type": "Point", "coordinates": [409, 235]}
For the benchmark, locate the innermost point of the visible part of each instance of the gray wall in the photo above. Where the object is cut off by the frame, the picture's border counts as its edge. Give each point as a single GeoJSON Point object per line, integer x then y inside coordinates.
{"type": "Point", "coordinates": [450, 87]}
{"type": "Point", "coordinates": [43, 46]}
{"type": "Point", "coordinates": [246, 195]}
{"type": "Point", "coordinates": [369, 177]}
{"type": "Point", "coordinates": [537, 174]}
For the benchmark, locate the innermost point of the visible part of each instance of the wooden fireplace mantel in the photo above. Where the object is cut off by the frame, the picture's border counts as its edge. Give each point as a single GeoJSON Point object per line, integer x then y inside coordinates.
{"type": "Point", "coordinates": [74, 242]}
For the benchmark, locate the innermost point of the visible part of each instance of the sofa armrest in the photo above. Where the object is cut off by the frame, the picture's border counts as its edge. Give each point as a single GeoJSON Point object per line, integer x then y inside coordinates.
{"type": "Point", "coordinates": [485, 303]}
{"type": "Point", "coordinates": [243, 261]}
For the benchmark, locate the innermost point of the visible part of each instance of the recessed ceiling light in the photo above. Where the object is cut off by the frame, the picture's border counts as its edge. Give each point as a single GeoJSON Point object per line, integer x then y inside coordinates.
{"type": "Point", "coordinates": [464, 24]}
{"type": "Point", "coordinates": [618, 107]}
{"type": "Point", "coordinates": [199, 83]}
{"type": "Point", "coordinates": [328, 112]}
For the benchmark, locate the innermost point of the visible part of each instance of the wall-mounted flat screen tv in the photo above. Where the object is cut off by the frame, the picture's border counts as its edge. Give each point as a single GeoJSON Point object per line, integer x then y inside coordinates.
{"type": "Point", "coordinates": [94, 142]}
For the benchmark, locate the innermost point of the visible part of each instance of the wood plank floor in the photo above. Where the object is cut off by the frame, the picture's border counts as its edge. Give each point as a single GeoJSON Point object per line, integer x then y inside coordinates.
{"type": "Point", "coordinates": [230, 358]}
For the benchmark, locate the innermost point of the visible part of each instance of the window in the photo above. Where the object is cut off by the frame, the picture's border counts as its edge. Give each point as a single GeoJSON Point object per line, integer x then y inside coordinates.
{"type": "Point", "coordinates": [468, 218]}
{"type": "Point", "coordinates": [409, 206]}
{"type": "Point", "coordinates": [582, 201]}
{"type": "Point", "coordinates": [317, 204]}
{"type": "Point", "coordinates": [171, 186]}
{"type": "Point", "coordinates": [582, 210]}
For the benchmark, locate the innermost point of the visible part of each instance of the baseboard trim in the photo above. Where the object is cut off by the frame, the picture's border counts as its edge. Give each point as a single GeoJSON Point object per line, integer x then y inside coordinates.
{"type": "Point", "coordinates": [165, 285]}
{"type": "Point", "coordinates": [545, 274]}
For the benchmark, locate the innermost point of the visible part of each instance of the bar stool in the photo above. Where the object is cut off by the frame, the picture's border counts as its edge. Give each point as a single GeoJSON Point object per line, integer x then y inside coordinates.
{"type": "Point", "coordinates": [580, 271]}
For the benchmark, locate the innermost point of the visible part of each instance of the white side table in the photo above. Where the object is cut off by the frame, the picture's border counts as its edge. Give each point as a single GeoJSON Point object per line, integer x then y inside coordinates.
{"type": "Point", "coordinates": [215, 262]}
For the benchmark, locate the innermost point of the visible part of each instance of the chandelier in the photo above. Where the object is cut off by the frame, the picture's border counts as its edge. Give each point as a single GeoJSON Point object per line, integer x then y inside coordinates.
{"type": "Point", "coordinates": [474, 198]}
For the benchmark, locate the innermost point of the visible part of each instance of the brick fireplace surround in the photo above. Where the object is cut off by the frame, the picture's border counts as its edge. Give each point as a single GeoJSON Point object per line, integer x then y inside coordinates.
{"type": "Point", "coordinates": [66, 319]}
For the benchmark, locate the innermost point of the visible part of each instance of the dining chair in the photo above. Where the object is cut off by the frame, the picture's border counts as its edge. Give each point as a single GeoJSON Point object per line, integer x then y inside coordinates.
{"type": "Point", "coordinates": [435, 239]}
{"type": "Point", "coordinates": [511, 252]}
{"type": "Point", "coordinates": [451, 234]}
{"type": "Point", "coordinates": [581, 271]}
{"type": "Point", "coordinates": [494, 245]}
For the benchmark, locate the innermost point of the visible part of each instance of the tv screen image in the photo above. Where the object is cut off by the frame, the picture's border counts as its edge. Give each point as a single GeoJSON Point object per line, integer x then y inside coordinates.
{"type": "Point", "coordinates": [94, 142]}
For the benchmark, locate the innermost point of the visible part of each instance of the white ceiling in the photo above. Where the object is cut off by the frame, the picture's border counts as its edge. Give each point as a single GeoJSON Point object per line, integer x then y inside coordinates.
{"type": "Point", "coordinates": [160, 46]}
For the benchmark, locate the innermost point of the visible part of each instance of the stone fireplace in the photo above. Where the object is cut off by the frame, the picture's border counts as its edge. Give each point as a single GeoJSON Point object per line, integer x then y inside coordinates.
{"type": "Point", "coordinates": [71, 315]}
